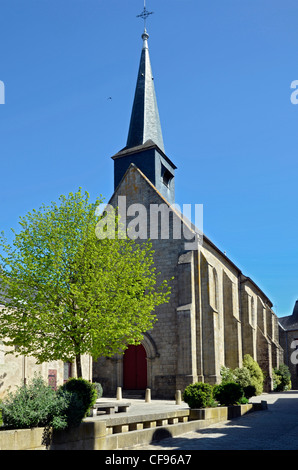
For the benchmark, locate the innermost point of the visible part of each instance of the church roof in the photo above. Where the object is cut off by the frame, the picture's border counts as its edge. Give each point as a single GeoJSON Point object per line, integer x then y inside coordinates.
{"type": "Point", "coordinates": [145, 121]}
{"type": "Point", "coordinates": [149, 144]}
{"type": "Point", "coordinates": [291, 321]}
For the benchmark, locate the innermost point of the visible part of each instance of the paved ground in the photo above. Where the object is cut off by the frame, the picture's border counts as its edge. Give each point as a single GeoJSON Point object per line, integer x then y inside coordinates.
{"type": "Point", "coordinates": [140, 407]}
{"type": "Point", "coordinates": [273, 429]}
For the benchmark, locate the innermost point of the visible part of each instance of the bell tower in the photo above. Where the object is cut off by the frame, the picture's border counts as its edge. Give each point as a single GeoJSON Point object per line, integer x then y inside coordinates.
{"type": "Point", "coordinates": [144, 146]}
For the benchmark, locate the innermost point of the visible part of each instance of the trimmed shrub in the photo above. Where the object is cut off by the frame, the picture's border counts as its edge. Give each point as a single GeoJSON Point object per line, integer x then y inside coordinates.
{"type": "Point", "coordinates": [281, 378]}
{"type": "Point", "coordinates": [98, 388]}
{"type": "Point", "coordinates": [84, 394]}
{"type": "Point", "coordinates": [242, 376]}
{"type": "Point", "coordinates": [257, 376]}
{"type": "Point", "coordinates": [228, 393]}
{"type": "Point", "coordinates": [75, 411]}
{"type": "Point", "coordinates": [242, 401]}
{"type": "Point", "coordinates": [199, 395]}
{"type": "Point", "coordinates": [227, 375]}
{"type": "Point", "coordinates": [249, 391]}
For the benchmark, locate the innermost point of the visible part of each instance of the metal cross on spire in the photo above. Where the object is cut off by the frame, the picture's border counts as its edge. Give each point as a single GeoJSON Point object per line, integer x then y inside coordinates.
{"type": "Point", "coordinates": [145, 13]}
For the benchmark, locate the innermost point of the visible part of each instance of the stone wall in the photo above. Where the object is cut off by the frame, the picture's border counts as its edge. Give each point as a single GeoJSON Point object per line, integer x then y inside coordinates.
{"type": "Point", "coordinates": [286, 339]}
{"type": "Point", "coordinates": [122, 432]}
{"type": "Point", "coordinates": [17, 370]}
{"type": "Point", "coordinates": [214, 317]}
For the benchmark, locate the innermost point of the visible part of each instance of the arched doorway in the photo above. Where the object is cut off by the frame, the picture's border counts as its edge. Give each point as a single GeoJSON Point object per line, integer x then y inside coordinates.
{"type": "Point", "coordinates": [135, 368]}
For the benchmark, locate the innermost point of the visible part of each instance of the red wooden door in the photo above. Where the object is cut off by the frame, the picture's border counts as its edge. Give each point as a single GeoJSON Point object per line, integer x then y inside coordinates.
{"type": "Point", "coordinates": [135, 368]}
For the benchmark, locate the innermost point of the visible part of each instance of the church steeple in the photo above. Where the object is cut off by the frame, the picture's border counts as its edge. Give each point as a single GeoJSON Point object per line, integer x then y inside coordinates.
{"type": "Point", "coordinates": [145, 121]}
{"type": "Point", "coordinates": [145, 147]}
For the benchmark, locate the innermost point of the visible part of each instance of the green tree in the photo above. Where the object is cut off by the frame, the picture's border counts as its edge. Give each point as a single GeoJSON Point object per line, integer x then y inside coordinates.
{"type": "Point", "coordinates": [69, 293]}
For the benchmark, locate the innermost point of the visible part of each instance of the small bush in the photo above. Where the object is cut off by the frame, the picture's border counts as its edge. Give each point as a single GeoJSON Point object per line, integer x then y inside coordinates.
{"type": "Point", "coordinates": [199, 395]}
{"type": "Point", "coordinates": [242, 376]}
{"type": "Point", "coordinates": [249, 391]}
{"type": "Point", "coordinates": [34, 405]}
{"type": "Point", "coordinates": [38, 405]}
{"type": "Point", "coordinates": [75, 411]}
{"type": "Point", "coordinates": [281, 378]}
{"type": "Point", "coordinates": [242, 401]}
{"type": "Point", "coordinates": [228, 393]}
{"type": "Point", "coordinates": [84, 394]}
{"type": "Point", "coordinates": [98, 388]}
{"type": "Point", "coordinates": [227, 375]}
{"type": "Point", "coordinates": [257, 376]}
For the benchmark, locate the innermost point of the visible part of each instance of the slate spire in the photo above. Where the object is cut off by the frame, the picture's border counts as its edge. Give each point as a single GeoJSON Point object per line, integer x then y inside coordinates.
{"type": "Point", "coordinates": [145, 121]}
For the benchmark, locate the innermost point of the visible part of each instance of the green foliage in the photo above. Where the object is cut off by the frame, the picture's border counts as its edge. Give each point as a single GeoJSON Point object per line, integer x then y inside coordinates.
{"type": "Point", "coordinates": [249, 391]}
{"type": "Point", "coordinates": [281, 378]}
{"type": "Point", "coordinates": [38, 405]}
{"type": "Point", "coordinates": [83, 392]}
{"type": "Point", "coordinates": [98, 388]}
{"type": "Point", "coordinates": [257, 376]}
{"type": "Point", "coordinates": [228, 393]}
{"type": "Point", "coordinates": [227, 374]}
{"type": "Point", "coordinates": [199, 395]}
{"type": "Point", "coordinates": [70, 293]}
{"type": "Point", "coordinates": [242, 376]}
{"type": "Point", "coordinates": [250, 376]}
{"type": "Point", "coordinates": [75, 410]}
{"type": "Point", "coordinates": [34, 405]}
{"type": "Point", "coordinates": [242, 401]}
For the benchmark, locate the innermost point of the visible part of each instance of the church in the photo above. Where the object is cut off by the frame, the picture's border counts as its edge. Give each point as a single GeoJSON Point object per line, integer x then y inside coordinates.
{"type": "Point", "coordinates": [216, 314]}
{"type": "Point", "coordinates": [288, 338]}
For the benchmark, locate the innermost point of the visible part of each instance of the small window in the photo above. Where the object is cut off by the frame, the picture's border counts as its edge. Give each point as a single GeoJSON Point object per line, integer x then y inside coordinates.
{"type": "Point", "coordinates": [52, 378]}
{"type": "Point", "coordinates": [66, 371]}
{"type": "Point", "coordinates": [166, 175]}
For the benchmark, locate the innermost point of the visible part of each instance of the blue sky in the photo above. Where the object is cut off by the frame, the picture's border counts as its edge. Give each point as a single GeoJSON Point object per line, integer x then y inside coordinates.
{"type": "Point", "coordinates": [223, 71]}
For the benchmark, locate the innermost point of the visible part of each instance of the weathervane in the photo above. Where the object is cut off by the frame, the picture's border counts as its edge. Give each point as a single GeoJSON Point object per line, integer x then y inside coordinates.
{"type": "Point", "coordinates": [145, 13]}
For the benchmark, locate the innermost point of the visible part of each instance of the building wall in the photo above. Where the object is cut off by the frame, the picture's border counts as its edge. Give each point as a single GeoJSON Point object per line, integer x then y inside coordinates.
{"type": "Point", "coordinates": [214, 317]}
{"type": "Point", "coordinates": [18, 370]}
{"type": "Point", "coordinates": [286, 337]}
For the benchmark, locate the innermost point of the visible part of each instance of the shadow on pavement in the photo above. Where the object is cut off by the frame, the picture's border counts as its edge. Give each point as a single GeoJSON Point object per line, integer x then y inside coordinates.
{"type": "Point", "coordinates": [273, 429]}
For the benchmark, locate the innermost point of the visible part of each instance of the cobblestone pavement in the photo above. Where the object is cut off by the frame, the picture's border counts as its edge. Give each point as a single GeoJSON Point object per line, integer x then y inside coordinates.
{"type": "Point", "coordinates": [273, 429]}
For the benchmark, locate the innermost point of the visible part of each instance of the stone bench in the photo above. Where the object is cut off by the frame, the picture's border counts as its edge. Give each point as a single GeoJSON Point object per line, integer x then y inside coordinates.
{"type": "Point", "coordinates": [125, 423]}
{"type": "Point", "coordinates": [109, 407]}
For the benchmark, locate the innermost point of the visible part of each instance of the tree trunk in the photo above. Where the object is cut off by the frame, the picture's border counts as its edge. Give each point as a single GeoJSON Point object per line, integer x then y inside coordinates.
{"type": "Point", "coordinates": [79, 366]}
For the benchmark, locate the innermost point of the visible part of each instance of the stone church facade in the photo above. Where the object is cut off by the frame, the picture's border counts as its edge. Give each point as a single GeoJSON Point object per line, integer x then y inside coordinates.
{"type": "Point", "coordinates": [216, 314]}
{"type": "Point", "coordinates": [288, 338]}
